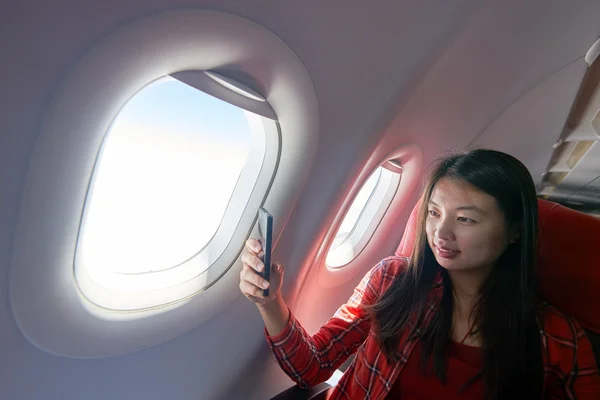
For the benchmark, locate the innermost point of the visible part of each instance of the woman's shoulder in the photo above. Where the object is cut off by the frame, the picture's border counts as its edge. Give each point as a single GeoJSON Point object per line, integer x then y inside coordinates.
{"type": "Point", "coordinates": [552, 317]}
{"type": "Point", "coordinates": [554, 320]}
{"type": "Point", "coordinates": [556, 325]}
{"type": "Point", "coordinates": [568, 353]}
{"type": "Point", "coordinates": [388, 268]}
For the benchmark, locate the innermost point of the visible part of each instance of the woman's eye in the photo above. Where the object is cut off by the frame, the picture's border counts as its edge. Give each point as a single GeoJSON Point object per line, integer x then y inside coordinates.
{"type": "Point", "coordinates": [432, 213]}
{"type": "Point", "coordinates": [465, 219]}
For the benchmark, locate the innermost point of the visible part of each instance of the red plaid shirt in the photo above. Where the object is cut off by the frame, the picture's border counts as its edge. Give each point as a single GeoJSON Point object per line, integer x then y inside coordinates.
{"type": "Point", "coordinates": [569, 366]}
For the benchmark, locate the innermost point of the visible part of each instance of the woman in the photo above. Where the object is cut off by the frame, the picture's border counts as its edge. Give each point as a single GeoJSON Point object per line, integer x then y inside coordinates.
{"type": "Point", "coordinates": [460, 319]}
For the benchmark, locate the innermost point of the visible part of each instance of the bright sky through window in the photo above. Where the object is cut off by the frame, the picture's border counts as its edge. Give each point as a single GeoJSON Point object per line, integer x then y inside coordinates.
{"type": "Point", "coordinates": [362, 218]}
{"type": "Point", "coordinates": [356, 208]}
{"type": "Point", "coordinates": [164, 177]}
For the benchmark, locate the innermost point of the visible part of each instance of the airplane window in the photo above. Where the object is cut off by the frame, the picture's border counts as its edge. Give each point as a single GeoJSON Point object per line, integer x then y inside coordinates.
{"type": "Point", "coordinates": [356, 208]}
{"type": "Point", "coordinates": [161, 185]}
{"type": "Point", "coordinates": [148, 174]}
{"type": "Point", "coordinates": [365, 213]}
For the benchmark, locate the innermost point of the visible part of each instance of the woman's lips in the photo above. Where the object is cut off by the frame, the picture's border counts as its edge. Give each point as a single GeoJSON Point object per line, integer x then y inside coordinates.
{"type": "Point", "coordinates": [445, 253]}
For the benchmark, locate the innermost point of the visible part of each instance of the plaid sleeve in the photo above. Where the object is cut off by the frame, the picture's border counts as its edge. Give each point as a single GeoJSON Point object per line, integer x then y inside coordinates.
{"type": "Point", "coordinates": [310, 360]}
{"type": "Point", "coordinates": [585, 384]}
{"type": "Point", "coordinates": [571, 370]}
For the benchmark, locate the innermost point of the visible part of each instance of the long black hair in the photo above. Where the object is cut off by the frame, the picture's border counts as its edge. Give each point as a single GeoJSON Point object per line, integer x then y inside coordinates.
{"type": "Point", "coordinates": [505, 310]}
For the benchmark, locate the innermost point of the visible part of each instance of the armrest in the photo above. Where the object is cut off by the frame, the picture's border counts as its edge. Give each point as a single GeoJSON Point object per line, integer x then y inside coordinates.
{"type": "Point", "coordinates": [318, 392]}
{"type": "Point", "coordinates": [347, 363]}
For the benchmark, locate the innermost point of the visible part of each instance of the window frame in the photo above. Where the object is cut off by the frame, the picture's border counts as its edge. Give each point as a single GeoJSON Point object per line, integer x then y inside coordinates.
{"type": "Point", "coordinates": [101, 287]}
{"type": "Point", "coordinates": [407, 160]}
{"type": "Point", "coordinates": [62, 159]}
{"type": "Point", "coordinates": [369, 219]}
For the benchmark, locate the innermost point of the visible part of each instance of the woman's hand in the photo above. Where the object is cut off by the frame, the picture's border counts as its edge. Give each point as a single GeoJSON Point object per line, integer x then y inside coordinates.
{"type": "Point", "coordinates": [251, 283]}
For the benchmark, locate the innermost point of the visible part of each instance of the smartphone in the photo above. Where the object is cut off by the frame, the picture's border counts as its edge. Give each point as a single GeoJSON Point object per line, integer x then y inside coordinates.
{"type": "Point", "coordinates": [265, 237]}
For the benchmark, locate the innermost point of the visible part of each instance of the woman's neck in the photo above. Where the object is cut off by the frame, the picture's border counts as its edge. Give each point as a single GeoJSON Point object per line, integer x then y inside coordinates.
{"type": "Point", "coordinates": [466, 286]}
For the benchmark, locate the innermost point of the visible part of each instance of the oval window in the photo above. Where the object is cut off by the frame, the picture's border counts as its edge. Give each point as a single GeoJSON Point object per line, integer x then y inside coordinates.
{"type": "Point", "coordinates": [161, 185]}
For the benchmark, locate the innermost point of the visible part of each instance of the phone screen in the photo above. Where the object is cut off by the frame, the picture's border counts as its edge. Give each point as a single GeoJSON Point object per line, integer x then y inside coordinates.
{"type": "Point", "coordinates": [265, 233]}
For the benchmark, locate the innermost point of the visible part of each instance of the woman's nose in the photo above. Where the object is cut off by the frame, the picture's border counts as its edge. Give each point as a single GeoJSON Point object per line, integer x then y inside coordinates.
{"type": "Point", "coordinates": [444, 230]}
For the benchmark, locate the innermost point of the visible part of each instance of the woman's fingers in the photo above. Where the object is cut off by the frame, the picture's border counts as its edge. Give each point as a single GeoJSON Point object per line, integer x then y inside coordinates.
{"type": "Point", "coordinates": [253, 246]}
{"type": "Point", "coordinates": [258, 300]}
{"type": "Point", "coordinates": [252, 292]}
{"type": "Point", "coordinates": [252, 283]}
{"type": "Point", "coordinates": [252, 277]}
{"type": "Point", "coordinates": [277, 269]}
{"type": "Point", "coordinates": [252, 261]}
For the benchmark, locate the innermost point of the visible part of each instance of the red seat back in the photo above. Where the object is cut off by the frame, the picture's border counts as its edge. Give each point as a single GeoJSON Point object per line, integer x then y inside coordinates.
{"type": "Point", "coordinates": [568, 260]}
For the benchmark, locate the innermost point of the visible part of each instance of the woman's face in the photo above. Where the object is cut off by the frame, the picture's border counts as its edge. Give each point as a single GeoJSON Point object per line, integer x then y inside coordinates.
{"type": "Point", "coordinates": [465, 227]}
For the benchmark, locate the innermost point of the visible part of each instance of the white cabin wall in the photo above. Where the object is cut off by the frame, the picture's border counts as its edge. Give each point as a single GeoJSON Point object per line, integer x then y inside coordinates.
{"type": "Point", "coordinates": [382, 77]}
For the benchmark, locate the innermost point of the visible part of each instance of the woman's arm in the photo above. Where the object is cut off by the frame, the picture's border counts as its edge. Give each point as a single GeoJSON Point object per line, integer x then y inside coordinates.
{"type": "Point", "coordinates": [272, 308]}
{"type": "Point", "coordinates": [585, 384]}
{"type": "Point", "coordinates": [275, 315]}
{"type": "Point", "coordinates": [310, 360]}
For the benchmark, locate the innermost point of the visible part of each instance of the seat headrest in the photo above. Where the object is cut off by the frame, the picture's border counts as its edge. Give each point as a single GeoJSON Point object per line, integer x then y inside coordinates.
{"type": "Point", "coordinates": [568, 260]}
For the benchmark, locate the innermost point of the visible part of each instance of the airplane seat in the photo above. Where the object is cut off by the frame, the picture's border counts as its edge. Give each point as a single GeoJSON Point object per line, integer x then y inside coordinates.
{"type": "Point", "coordinates": [568, 262]}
